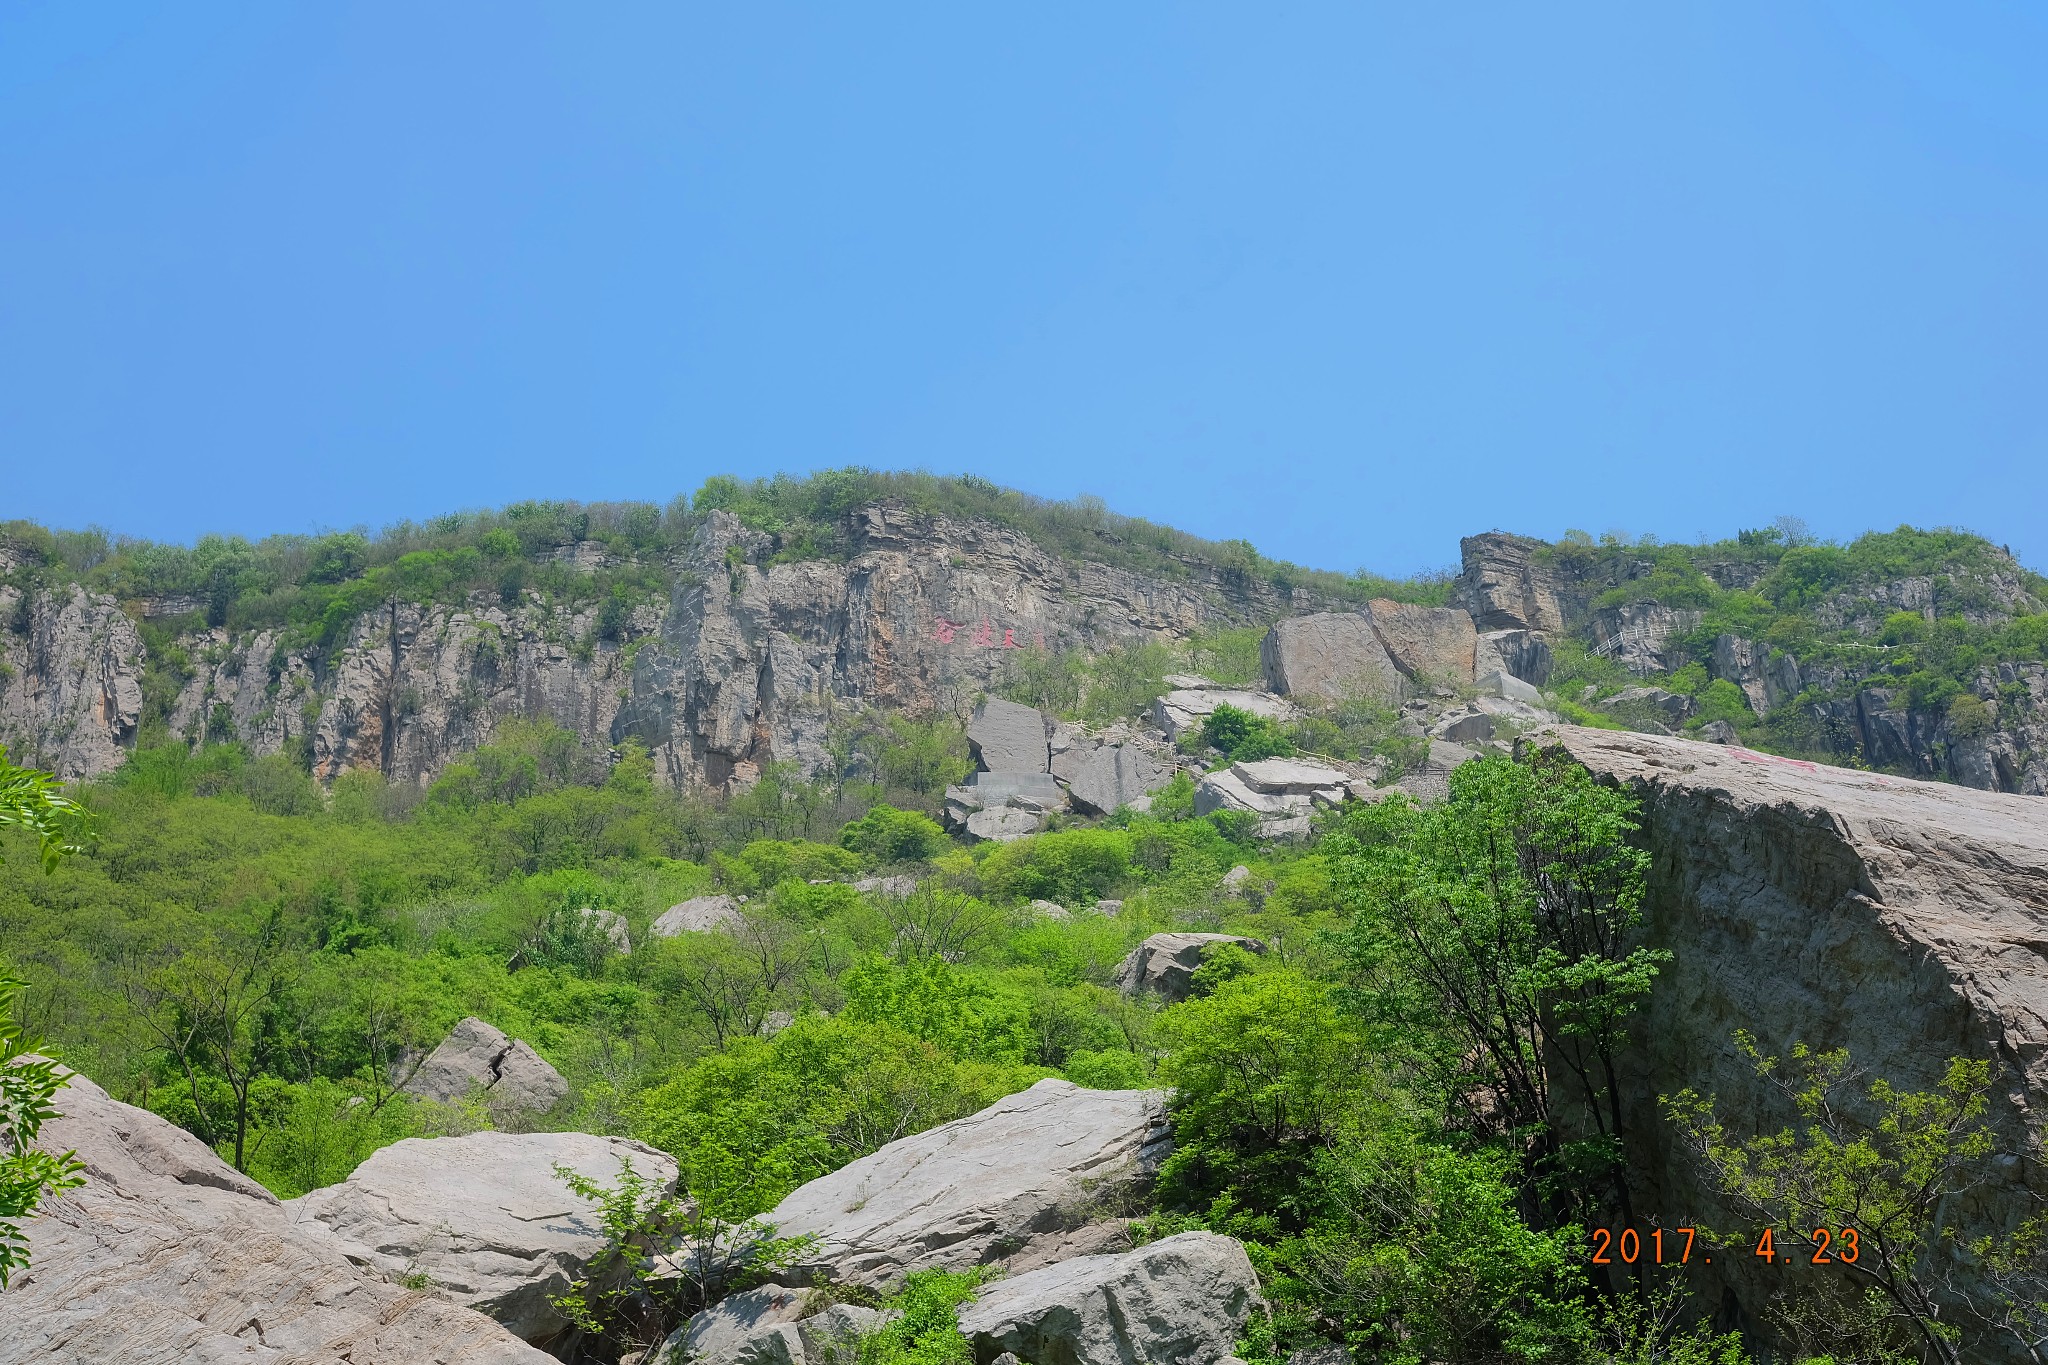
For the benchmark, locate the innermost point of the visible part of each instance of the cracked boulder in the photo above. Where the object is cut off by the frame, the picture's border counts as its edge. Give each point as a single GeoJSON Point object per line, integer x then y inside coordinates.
{"type": "Point", "coordinates": [485, 1218]}
{"type": "Point", "coordinates": [476, 1059]}
{"type": "Point", "coordinates": [1009, 738]}
{"type": "Point", "coordinates": [696, 915]}
{"type": "Point", "coordinates": [1164, 964]}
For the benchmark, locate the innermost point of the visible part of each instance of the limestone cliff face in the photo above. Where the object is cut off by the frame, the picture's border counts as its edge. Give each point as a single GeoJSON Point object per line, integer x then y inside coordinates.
{"type": "Point", "coordinates": [1510, 583]}
{"type": "Point", "coordinates": [70, 680]}
{"type": "Point", "coordinates": [1902, 920]}
{"type": "Point", "coordinates": [747, 662]}
{"type": "Point", "coordinates": [754, 658]}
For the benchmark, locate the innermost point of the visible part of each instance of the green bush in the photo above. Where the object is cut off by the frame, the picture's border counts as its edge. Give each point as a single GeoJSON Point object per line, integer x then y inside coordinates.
{"type": "Point", "coordinates": [1240, 735]}
{"type": "Point", "coordinates": [1076, 866]}
{"type": "Point", "coordinates": [888, 835]}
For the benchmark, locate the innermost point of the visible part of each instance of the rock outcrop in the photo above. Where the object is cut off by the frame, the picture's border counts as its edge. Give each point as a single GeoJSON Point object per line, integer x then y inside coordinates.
{"type": "Point", "coordinates": [1164, 964]}
{"type": "Point", "coordinates": [476, 1059]}
{"type": "Point", "coordinates": [987, 1189]}
{"type": "Point", "coordinates": [771, 1325]}
{"type": "Point", "coordinates": [1900, 919]}
{"type": "Point", "coordinates": [1102, 777]}
{"type": "Point", "coordinates": [70, 680]}
{"type": "Point", "coordinates": [1006, 737]}
{"type": "Point", "coordinates": [167, 1255]}
{"type": "Point", "coordinates": [1182, 711]}
{"type": "Point", "coordinates": [485, 1218]}
{"type": "Point", "coordinates": [695, 916]}
{"type": "Point", "coordinates": [1182, 1300]}
{"type": "Point", "coordinates": [1329, 656]}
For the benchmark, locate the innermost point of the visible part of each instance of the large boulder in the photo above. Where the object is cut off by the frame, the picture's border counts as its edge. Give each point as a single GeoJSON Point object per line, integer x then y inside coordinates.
{"type": "Point", "coordinates": [1182, 1300]}
{"type": "Point", "coordinates": [1182, 711]}
{"type": "Point", "coordinates": [696, 915]}
{"type": "Point", "coordinates": [1428, 644]}
{"type": "Point", "coordinates": [1103, 778]}
{"type": "Point", "coordinates": [476, 1059]}
{"type": "Point", "coordinates": [1164, 964]}
{"type": "Point", "coordinates": [1008, 738]}
{"type": "Point", "coordinates": [1331, 656]}
{"type": "Point", "coordinates": [167, 1255]}
{"type": "Point", "coordinates": [981, 1190]}
{"type": "Point", "coordinates": [1900, 919]}
{"type": "Point", "coordinates": [485, 1217]}
{"type": "Point", "coordinates": [771, 1325]}
{"type": "Point", "coordinates": [1033, 791]}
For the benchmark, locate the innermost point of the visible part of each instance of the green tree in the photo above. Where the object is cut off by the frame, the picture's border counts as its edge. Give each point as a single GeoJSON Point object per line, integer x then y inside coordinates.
{"type": "Point", "coordinates": [889, 835]}
{"type": "Point", "coordinates": [1490, 945]}
{"type": "Point", "coordinates": [1885, 1165]}
{"type": "Point", "coordinates": [1240, 735]}
{"type": "Point", "coordinates": [33, 802]}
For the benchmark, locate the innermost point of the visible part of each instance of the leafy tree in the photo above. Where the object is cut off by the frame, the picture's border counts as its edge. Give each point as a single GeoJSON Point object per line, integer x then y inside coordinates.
{"type": "Point", "coordinates": [1490, 943]}
{"type": "Point", "coordinates": [889, 835]}
{"type": "Point", "coordinates": [924, 1326]}
{"type": "Point", "coordinates": [1066, 865]}
{"type": "Point", "coordinates": [1886, 1169]}
{"type": "Point", "coordinates": [33, 802]}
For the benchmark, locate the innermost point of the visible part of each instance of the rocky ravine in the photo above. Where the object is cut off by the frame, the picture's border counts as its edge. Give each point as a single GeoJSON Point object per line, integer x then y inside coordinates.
{"type": "Point", "coordinates": [1903, 920]}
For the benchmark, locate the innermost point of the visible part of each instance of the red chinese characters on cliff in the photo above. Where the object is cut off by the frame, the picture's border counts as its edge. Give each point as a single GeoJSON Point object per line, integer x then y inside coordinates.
{"type": "Point", "coordinates": [947, 632]}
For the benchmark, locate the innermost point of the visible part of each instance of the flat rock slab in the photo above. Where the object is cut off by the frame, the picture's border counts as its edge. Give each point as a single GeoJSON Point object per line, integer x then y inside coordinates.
{"type": "Point", "coordinates": [1288, 776]}
{"type": "Point", "coordinates": [979, 1189]}
{"type": "Point", "coordinates": [1227, 791]}
{"type": "Point", "coordinates": [476, 1059]}
{"type": "Point", "coordinates": [484, 1217]}
{"type": "Point", "coordinates": [1007, 737]}
{"type": "Point", "coordinates": [1034, 791]}
{"type": "Point", "coordinates": [1182, 1300]}
{"type": "Point", "coordinates": [697, 915]}
{"type": "Point", "coordinates": [1002, 826]}
{"type": "Point", "coordinates": [168, 1256]}
{"type": "Point", "coordinates": [1164, 964]}
{"type": "Point", "coordinates": [1331, 656]}
{"type": "Point", "coordinates": [1183, 710]}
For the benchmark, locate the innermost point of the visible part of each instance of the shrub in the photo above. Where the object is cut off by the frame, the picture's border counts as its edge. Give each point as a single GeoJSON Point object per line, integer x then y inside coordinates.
{"type": "Point", "coordinates": [889, 835]}
{"type": "Point", "coordinates": [1238, 734]}
{"type": "Point", "coordinates": [1070, 865]}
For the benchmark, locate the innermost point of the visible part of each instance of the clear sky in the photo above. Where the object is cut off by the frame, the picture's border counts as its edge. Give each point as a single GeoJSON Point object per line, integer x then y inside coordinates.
{"type": "Point", "coordinates": [1349, 280]}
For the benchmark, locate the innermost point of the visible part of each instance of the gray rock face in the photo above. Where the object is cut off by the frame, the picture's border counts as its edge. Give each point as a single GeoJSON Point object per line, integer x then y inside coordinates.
{"type": "Point", "coordinates": [1768, 680]}
{"type": "Point", "coordinates": [895, 887]}
{"type": "Point", "coordinates": [1428, 644]}
{"type": "Point", "coordinates": [1505, 586]}
{"type": "Point", "coordinates": [1102, 778]}
{"type": "Point", "coordinates": [741, 1325]}
{"type": "Point", "coordinates": [476, 1058]}
{"type": "Point", "coordinates": [1182, 1299]}
{"type": "Point", "coordinates": [1003, 826]}
{"type": "Point", "coordinates": [1276, 789]}
{"type": "Point", "coordinates": [168, 1256]}
{"type": "Point", "coordinates": [484, 1217]}
{"type": "Point", "coordinates": [979, 1190]}
{"type": "Point", "coordinates": [1897, 918]}
{"type": "Point", "coordinates": [1033, 791]}
{"type": "Point", "coordinates": [1523, 653]}
{"type": "Point", "coordinates": [1164, 964]}
{"type": "Point", "coordinates": [1288, 776]}
{"type": "Point", "coordinates": [695, 916]}
{"type": "Point", "coordinates": [75, 694]}
{"type": "Point", "coordinates": [1006, 737]}
{"type": "Point", "coordinates": [1510, 687]}
{"type": "Point", "coordinates": [1331, 656]}
{"type": "Point", "coordinates": [1670, 708]}
{"type": "Point", "coordinates": [1642, 636]}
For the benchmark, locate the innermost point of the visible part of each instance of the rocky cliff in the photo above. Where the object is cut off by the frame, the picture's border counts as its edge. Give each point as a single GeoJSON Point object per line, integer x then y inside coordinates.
{"type": "Point", "coordinates": [1811, 638]}
{"type": "Point", "coordinates": [747, 661]}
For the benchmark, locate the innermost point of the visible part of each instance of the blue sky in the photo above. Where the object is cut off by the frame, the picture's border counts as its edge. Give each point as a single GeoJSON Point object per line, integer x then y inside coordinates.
{"type": "Point", "coordinates": [1347, 280]}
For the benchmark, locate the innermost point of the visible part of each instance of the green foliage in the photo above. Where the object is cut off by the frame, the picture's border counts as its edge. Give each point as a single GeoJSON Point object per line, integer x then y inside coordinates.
{"type": "Point", "coordinates": [1076, 865]}
{"type": "Point", "coordinates": [924, 756]}
{"type": "Point", "coordinates": [28, 1090]}
{"type": "Point", "coordinates": [1229, 655]}
{"type": "Point", "coordinates": [1420, 1256]}
{"type": "Point", "coordinates": [888, 835]}
{"type": "Point", "coordinates": [925, 1327]}
{"type": "Point", "coordinates": [1887, 1163]}
{"type": "Point", "coordinates": [34, 802]}
{"type": "Point", "coordinates": [1491, 939]}
{"type": "Point", "coordinates": [1240, 735]}
{"type": "Point", "coordinates": [955, 1010]}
